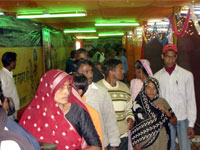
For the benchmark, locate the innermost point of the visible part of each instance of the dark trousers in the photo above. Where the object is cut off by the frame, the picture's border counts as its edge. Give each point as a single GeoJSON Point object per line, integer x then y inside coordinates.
{"type": "Point", "coordinates": [124, 144]}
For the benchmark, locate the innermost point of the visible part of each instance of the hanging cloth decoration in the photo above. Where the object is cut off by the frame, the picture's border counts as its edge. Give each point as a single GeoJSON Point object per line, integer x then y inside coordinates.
{"type": "Point", "coordinates": [139, 42]}
{"type": "Point", "coordinates": [194, 19]}
{"type": "Point", "coordinates": [138, 39]}
{"type": "Point", "coordinates": [181, 34]}
{"type": "Point", "coordinates": [153, 33]}
{"type": "Point", "coordinates": [165, 39]}
{"type": "Point", "coordinates": [134, 38]}
{"type": "Point", "coordinates": [144, 36]}
{"type": "Point", "coordinates": [130, 39]}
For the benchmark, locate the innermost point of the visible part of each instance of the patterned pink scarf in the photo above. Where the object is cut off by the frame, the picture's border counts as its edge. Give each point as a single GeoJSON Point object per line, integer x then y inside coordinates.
{"type": "Point", "coordinates": [45, 120]}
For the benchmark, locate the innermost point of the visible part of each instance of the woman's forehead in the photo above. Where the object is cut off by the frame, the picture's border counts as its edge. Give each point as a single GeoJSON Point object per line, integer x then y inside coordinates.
{"type": "Point", "coordinates": [150, 83]}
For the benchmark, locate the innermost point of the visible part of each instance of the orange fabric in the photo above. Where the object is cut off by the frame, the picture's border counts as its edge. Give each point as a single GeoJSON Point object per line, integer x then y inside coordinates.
{"type": "Point", "coordinates": [133, 53]}
{"type": "Point", "coordinates": [95, 119]}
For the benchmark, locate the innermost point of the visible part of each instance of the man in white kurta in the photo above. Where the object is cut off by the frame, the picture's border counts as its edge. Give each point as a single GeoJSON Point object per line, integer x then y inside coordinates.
{"type": "Point", "coordinates": [177, 87]}
{"type": "Point", "coordinates": [6, 77]}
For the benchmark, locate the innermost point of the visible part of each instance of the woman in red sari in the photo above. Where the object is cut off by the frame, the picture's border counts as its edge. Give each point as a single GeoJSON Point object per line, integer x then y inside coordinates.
{"type": "Point", "coordinates": [57, 115]}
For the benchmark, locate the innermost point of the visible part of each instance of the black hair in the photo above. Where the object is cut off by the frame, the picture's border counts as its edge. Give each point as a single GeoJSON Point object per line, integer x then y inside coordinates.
{"type": "Point", "coordinates": [138, 65]}
{"type": "Point", "coordinates": [81, 50]}
{"type": "Point", "coordinates": [1, 93]}
{"type": "Point", "coordinates": [120, 50]}
{"type": "Point", "coordinates": [77, 64]}
{"type": "Point", "coordinates": [80, 82]}
{"type": "Point", "coordinates": [7, 58]}
{"type": "Point", "coordinates": [110, 64]}
{"type": "Point", "coordinates": [73, 53]}
{"type": "Point", "coordinates": [92, 52]}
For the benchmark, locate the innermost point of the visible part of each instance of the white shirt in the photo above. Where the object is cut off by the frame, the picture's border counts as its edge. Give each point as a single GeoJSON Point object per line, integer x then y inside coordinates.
{"type": "Point", "coordinates": [8, 86]}
{"type": "Point", "coordinates": [99, 98]}
{"type": "Point", "coordinates": [178, 90]}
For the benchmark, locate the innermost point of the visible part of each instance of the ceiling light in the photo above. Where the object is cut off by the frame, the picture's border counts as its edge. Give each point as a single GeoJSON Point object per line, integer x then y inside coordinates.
{"type": "Point", "coordinates": [139, 29]}
{"type": "Point", "coordinates": [117, 24]}
{"type": "Point", "coordinates": [154, 20]}
{"type": "Point", "coordinates": [87, 37]}
{"type": "Point", "coordinates": [130, 32]}
{"type": "Point", "coordinates": [159, 29]}
{"type": "Point", "coordinates": [186, 12]}
{"type": "Point", "coordinates": [51, 14]}
{"type": "Point", "coordinates": [196, 8]}
{"type": "Point", "coordinates": [158, 23]}
{"type": "Point", "coordinates": [79, 30]}
{"type": "Point", "coordinates": [2, 13]}
{"type": "Point", "coordinates": [111, 34]}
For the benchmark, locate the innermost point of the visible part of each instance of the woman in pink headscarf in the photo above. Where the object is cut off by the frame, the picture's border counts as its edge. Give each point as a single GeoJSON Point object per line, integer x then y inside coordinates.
{"type": "Point", "coordinates": [57, 115]}
{"type": "Point", "coordinates": [142, 71]}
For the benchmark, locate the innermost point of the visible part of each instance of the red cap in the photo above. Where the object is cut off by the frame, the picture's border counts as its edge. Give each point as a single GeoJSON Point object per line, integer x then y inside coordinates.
{"type": "Point", "coordinates": [169, 47]}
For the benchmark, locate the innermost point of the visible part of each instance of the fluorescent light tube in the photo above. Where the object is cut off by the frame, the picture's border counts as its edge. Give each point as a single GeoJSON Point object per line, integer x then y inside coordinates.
{"type": "Point", "coordinates": [158, 23]}
{"type": "Point", "coordinates": [139, 29]}
{"type": "Point", "coordinates": [2, 13]}
{"type": "Point", "coordinates": [87, 37]}
{"type": "Point", "coordinates": [117, 24]}
{"type": "Point", "coordinates": [159, 29]}
{"type": "Point", "coordinates": [112, 34]}
{"type": "Point", "coordinates": [186, 12]}
{"type": "Point", "coordinates": [78, 31]}
{"type": "Point", "coordinates": [50, 15]}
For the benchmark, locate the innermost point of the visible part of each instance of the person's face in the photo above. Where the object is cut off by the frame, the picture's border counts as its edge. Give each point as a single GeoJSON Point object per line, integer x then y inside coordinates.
{"type": "Point", "coordinates": [119, 72]}
{"type": "Point", "coordinates": [138, 73]}
{"type": "Point", "coordinates": [150, 90]}
{"type": "Point", "coordinates": [169, 58]}
{"type": "Point", "coordinates": [82, 55]}
{"type": "Point", "coordinates": [62, 94]}
{"type": "Point", "coordinates": [99, 67]}
{"type": "Point", "coordinates": [87, 71]}
{"type": "Point", "coordinates": [13, 64]}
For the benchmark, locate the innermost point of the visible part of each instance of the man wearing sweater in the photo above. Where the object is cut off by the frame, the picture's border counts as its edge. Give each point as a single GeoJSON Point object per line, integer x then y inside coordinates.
{"type": "Point", "coordinates": [121, 98]}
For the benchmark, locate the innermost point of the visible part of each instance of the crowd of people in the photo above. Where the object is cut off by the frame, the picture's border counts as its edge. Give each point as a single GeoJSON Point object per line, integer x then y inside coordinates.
{"type": "Point", "coordinates": [91, 105]}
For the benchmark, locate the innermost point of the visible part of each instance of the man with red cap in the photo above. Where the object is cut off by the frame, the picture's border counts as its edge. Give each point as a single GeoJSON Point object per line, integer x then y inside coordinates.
{"type": "Point", "coordinates": [177, 87]}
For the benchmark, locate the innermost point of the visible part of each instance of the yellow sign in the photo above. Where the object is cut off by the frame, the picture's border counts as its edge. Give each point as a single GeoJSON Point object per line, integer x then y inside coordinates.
{"type": "Point", "coordinates": [29, 69]}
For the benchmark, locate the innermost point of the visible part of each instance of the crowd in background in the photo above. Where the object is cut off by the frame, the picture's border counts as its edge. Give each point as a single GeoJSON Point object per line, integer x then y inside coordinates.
{"type": "Point", "coordinates": [91, 105]}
